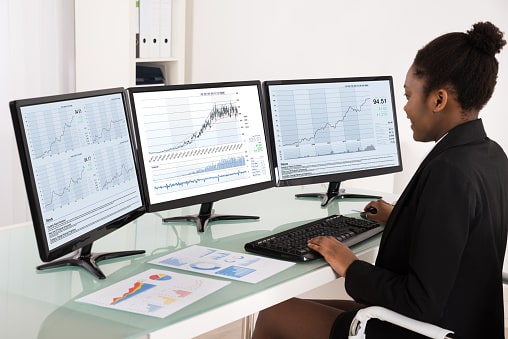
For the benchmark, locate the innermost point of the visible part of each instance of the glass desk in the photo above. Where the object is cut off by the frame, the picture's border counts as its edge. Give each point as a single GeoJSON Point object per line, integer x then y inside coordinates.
{"type": "Point", "coordinates": [41, 304]}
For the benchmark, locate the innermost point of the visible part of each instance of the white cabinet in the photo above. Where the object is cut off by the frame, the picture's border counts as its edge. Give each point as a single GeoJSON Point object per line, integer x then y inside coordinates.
{"type": "Point", "coordinates": [105, 41]}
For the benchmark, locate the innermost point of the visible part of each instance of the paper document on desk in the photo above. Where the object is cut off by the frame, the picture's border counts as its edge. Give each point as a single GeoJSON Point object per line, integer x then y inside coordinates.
{"type": "Point", "coordinates": [156, 293]}
{"type": "Point", "coordinates": [224, 264]}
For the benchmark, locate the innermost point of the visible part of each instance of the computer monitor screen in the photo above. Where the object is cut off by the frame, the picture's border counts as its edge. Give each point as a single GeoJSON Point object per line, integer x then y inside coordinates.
{"type": "Point", "coordinates": [80, 172]}
{"type": "Point", "coordinates": [200, 143]}
{"type": "Point", "coordinates": [331, 130]}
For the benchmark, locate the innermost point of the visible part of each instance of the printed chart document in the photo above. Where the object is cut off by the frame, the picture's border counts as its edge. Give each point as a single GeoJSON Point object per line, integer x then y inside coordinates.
{"type": "Point", "coordinates": [157, 293]}
{"type": "Point", "coordinates": [224, 264]}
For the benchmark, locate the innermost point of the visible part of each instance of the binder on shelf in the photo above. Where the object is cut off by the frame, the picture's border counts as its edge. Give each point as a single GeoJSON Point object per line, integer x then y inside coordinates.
{"type": "Point", "coordinates": [137, 27]}
{"type": "Point", "coordinates": [149, 27]}
{"type": "Point", "coordinates": [165, 29]}
{"type": "Point", "coordinates": [137, 15]}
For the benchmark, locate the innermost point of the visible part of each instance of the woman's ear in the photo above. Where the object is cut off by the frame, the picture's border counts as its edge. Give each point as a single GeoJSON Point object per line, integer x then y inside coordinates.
{"type": "Point", "coordinates": [440, 98]}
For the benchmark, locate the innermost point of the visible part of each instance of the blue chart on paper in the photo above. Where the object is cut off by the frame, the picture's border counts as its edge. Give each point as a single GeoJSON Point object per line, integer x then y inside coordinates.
{"type": "Point", "coordinates": [173, 262]}
{"type": "Point", "coordinates": [205, 266]}
{"type": "Point", "coordinates": [235, 271]}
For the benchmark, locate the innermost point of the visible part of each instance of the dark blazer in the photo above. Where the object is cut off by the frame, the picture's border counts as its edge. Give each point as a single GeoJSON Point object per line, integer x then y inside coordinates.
{"type": "Point", "coordinates": [441, 255]}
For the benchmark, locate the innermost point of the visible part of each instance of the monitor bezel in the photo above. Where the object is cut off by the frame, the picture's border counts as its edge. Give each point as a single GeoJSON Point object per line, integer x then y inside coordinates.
{"type": "Point", "coordinates": [210, 197]}
{"type": "Point", "coordinates": [100, 231]}
{"type": "Point", "coordinates": [336, 177]}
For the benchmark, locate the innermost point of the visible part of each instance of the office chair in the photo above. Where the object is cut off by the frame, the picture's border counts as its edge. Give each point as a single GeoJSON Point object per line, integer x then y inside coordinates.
{"type": "Point", "coordinates": [359, 323]}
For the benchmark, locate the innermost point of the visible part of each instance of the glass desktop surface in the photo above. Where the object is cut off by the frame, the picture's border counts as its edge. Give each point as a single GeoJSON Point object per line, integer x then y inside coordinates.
{"type": "Point", "coordinates": [41, 304]}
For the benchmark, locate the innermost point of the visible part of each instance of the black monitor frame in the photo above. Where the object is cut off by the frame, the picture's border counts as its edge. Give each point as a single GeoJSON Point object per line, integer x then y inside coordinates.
{"type": "Point", "coordinates": [334, 179]}
{"type": "Point", "coordinates": [81, 244]}
{"type": "Point", "coordinates": [206, 213]}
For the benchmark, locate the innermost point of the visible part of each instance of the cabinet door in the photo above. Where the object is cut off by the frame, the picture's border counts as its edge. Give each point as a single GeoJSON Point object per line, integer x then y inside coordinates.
{"type": "Point", "coordinates": [105, 43]}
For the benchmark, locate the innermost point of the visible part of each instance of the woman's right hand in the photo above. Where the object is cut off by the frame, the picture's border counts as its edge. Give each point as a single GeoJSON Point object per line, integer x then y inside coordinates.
{"type": "Point", "coordinates": [383, 211]}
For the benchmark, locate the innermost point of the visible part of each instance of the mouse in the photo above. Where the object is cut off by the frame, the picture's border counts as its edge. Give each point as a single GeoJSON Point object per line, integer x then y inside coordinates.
{"type": "Point", "coordinates": [370, 210]}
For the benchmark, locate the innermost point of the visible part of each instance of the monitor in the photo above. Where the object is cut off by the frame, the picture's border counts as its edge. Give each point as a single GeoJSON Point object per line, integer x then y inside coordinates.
{"type": "Point", "coordinates": [199, 143]}
{"type": "Point", "coordinates": [331, 130]}
{"type": "Point", "coordinates": [80, 173]}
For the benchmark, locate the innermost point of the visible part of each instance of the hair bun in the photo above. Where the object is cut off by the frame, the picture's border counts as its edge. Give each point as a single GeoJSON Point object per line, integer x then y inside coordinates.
{"type": "Point", "coordinates": [486, 37]}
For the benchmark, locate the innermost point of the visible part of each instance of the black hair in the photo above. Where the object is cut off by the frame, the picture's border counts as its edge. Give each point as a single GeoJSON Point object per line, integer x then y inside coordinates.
{"type": "Point", "coordinates": [464, 63]}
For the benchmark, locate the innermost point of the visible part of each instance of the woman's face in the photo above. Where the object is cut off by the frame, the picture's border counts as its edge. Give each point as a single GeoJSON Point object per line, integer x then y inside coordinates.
{"type": "Point", "coordinates": [419, 109]}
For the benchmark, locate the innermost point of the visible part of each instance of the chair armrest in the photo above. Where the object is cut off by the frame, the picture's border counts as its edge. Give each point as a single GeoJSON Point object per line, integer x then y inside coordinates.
{"type": "Point", "coordinates": [359, 323]}
{"type": "Point", "coordinates": [505, 278]}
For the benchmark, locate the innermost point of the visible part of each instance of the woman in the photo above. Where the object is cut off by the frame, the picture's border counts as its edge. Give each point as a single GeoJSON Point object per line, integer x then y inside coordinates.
{"type": "Point", "coordinates": [441, 255]}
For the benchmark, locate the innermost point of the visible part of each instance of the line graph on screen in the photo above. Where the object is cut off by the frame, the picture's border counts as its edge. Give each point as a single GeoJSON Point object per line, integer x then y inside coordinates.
{"type": "Point", "coordinates": [79, 149]}
{"type": "Point", "coordinates": [194, 142]}
{"type": "Point", "coordinates": [61, 129]}
{"type": "Point", "coordinates": [340, 122]}
{"type": "Point", "coordinates": [202, 121]}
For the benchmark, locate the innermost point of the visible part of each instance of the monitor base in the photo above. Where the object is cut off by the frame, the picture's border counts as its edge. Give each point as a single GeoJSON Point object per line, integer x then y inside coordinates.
{"type": "Point", "coordinates": [206, 216]}
{"type": "Point", "coordinates": [334, 192]}
{"type": "Point", "coordinates": [88, 260]}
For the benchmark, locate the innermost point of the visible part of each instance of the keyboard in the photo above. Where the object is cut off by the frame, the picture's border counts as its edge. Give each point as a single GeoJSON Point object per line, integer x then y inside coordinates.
{"type": "Point", "coordinates": [291, 244]}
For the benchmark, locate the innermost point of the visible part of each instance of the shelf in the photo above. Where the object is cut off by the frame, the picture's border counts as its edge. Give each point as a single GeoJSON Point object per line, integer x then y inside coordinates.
{"type": "Point", "coordinates": [106, 53]}
{"type": "Point", "coordinates": [150, 60]}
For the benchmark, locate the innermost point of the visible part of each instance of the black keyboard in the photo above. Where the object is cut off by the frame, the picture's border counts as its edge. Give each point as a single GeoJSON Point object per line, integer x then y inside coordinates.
{"type": "Point", "coordinates": [292, 244]}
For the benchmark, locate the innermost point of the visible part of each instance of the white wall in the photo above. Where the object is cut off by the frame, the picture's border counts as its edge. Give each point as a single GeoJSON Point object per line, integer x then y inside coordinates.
{"type": "Point", "coordinates": [272, 39]}
{"type": "Point", "coordinates": [242, 39]}
{"type": "Point", "coordinates": [36, 59]}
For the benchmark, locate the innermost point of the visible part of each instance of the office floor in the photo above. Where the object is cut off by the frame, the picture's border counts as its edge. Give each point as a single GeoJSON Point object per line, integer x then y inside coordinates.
{"type": "Point", "coordinates": [229, 331]}
{"type": "Point", "coordinates": [233, 330]}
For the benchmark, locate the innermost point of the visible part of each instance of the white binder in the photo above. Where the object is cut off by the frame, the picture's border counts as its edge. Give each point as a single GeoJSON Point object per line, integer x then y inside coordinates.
{"type": "Point", "coordinates": [149, 27]}
{"type": "Point", "coordinates": [165, 29]}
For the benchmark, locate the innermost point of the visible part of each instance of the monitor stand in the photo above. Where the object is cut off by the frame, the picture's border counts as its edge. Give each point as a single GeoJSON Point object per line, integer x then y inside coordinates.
{"type": "Point", "coordinates": [88, 260]}
{"type": "Point", "coordinates": [334, 192]}
{"type": "Point", "coordinates": [206, 215]}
